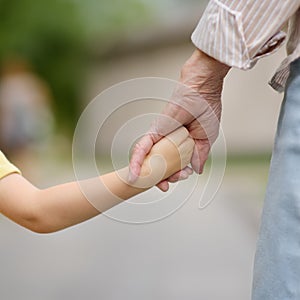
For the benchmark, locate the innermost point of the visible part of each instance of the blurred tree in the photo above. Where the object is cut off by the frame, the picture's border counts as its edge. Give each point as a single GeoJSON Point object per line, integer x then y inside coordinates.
{"type": "Point", "coordinates": [55, 37]}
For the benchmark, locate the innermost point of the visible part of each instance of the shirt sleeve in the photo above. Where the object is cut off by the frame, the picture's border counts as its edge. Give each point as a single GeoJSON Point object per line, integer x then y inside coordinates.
{"type": "Point", "coordinates": [6, 167]}
{"type": "Point", "coordinates": [239, 32]}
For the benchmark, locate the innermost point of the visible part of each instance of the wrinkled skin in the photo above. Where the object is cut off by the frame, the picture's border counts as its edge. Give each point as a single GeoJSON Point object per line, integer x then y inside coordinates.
{"type": "Point", "coordinates": [196, 104]}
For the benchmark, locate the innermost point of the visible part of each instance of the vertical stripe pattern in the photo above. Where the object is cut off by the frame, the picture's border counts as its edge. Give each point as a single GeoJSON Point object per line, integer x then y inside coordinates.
{"type": "Point", "coordinates": [234, 31]}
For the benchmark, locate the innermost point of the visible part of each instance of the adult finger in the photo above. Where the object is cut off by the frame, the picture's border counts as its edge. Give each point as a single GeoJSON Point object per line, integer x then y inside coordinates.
{"type": "Point", "coordinates": [140, 151]}
{"type": "Point", "coordinates": [200, 155]}
{"type": "Point", "coordinates": [180, 175]}
{"type": "Point", "coordinates": [163, 186]}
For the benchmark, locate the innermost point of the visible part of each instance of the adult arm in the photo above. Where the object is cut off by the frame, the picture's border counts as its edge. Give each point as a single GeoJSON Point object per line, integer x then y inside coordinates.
{"type": "Point", "coordinates": [231, 33]}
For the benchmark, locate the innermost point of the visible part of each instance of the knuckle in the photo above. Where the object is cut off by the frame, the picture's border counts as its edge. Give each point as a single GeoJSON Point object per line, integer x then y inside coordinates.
{"type": "Point", "coordinates": [139, 148]}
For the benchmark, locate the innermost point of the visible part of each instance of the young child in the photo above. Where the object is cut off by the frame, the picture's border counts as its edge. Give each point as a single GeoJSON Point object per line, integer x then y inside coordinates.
{"type": "Point", "coordinates": [61, 206]}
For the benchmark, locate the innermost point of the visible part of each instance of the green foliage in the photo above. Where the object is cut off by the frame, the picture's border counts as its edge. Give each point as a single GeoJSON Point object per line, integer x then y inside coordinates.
{"type": "Point", "coordinates": [55, 35]}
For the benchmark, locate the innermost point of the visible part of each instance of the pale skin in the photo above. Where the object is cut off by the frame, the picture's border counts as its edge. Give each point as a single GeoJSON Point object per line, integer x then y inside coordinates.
{"type": "Point", "coordinates": [58, 207]}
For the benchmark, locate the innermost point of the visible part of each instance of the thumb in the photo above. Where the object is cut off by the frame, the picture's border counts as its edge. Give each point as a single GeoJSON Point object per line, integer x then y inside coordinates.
{"type": "Point", "coordinates": [140, 151]}
{"type": "Point", "coordinates": [200, 155]}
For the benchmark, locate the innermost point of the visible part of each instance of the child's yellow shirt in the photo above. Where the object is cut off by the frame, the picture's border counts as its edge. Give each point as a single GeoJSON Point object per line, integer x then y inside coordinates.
{"type": "Point", "coordinates": [6, 167]}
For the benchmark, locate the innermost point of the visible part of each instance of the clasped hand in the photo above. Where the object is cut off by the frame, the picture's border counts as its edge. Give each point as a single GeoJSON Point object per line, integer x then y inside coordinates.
{"type": "Point", "coordinates": [196, 105]}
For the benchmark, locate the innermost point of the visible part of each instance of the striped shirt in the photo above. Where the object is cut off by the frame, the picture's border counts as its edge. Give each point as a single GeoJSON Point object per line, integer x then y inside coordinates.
{"type": "Point", "coordinates": [240, 32]}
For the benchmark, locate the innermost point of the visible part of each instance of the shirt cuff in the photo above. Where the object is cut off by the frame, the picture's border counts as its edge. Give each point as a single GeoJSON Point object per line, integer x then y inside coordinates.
{"type": "Point", "coordinates": [220, 34]}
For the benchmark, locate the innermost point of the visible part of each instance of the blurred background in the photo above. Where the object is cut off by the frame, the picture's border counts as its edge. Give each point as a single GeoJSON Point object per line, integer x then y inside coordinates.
{"type": "Point", "coordinates": [55, 57]}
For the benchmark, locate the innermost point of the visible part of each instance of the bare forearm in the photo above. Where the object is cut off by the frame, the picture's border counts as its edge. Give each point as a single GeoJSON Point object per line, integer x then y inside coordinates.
{"type": "Point", "coordinates": [64, 205]}
{"type": "Point", "coordinates": [61, 206]}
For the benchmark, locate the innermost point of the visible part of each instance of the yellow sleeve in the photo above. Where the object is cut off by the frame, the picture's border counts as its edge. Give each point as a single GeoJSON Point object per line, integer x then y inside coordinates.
{"type": "Point", "coordinates": [6, 167]}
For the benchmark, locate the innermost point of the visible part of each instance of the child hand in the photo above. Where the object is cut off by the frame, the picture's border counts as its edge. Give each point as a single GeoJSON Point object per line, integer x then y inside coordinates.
{"type": "Point", "coordinates": [169, 155]}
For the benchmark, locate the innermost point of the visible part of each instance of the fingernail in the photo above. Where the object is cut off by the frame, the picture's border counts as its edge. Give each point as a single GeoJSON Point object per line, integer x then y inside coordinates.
{"type": "Point", "coordinates": [190, 171]}
{"type": "Point", "coordinates": [166, 188]}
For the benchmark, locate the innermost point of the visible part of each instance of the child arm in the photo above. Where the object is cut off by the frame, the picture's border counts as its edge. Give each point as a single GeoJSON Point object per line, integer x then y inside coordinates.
{"type": "Point", "coordinates": [61, 206]}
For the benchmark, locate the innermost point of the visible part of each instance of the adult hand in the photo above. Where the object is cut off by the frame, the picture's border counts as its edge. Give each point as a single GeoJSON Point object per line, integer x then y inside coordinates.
{"type": "Point", "coordinates": [196, 104]}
